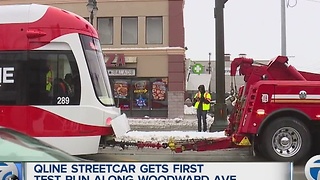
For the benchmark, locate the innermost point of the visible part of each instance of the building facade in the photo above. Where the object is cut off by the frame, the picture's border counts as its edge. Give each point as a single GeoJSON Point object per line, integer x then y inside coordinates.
{"type": "Point", "coordinates": [143, 44]}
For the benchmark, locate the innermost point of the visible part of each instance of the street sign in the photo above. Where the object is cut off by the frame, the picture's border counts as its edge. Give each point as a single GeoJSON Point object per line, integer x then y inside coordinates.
{"type": "Point", "coordinates": [197, 69]}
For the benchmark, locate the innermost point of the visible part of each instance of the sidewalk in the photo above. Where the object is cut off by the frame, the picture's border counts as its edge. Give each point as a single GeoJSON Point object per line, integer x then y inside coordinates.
{"type": "Point", "coordinates": [188, 123]}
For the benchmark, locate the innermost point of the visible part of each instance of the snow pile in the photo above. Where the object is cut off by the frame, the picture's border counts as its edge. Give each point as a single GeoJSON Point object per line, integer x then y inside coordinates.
{"type": "Point", "coordinates": [160, 123]}
{"type": "Point", "coordinates": [190, 110]}
{"type": "Point", "coordinates": [159, 130]}
{"type": "Point", "coordinates": [164, 136]}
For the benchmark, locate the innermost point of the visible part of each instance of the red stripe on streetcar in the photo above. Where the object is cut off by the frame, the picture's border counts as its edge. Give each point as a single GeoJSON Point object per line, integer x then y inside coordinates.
{"type": "Point", "coordinates": [37, 122]}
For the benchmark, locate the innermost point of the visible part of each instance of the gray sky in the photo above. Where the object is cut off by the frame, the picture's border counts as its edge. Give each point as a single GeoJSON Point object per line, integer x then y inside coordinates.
{"type": "Point", "coordinates": [253, 27]}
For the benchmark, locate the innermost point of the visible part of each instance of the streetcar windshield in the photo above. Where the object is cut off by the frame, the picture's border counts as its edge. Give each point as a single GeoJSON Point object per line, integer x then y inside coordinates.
{"type": "Point", "coordinates": [97, 69]}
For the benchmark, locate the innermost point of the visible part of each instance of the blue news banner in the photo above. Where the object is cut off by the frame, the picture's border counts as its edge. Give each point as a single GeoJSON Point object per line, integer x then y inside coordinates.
{"type": "Point", "coordinates": [146, 171]}
{"type": "Point", "coordinates": [158, 171]}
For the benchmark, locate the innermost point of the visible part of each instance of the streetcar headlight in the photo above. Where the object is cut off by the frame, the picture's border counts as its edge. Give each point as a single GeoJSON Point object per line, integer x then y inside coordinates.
{"type": "Point", "coordinates": [108, 121]}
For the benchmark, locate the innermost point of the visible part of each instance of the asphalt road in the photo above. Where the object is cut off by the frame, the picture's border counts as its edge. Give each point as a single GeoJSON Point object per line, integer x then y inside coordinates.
{"type": "Point", "coordinates": [133, 154]}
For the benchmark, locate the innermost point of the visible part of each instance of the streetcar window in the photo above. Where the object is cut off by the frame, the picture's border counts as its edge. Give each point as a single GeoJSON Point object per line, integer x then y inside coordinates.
{"type": "Point", "coordinates": [55, 79]}
{"type": "Point", "coordinates": [97, 69]}
{"type": "Point", "coordinates": [12, 79]}
{"type": "Point", "coordinates": [39, 78]}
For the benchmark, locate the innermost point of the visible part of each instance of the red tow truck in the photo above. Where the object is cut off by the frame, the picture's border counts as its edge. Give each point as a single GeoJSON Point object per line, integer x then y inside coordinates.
{"type": "Point", "coordinates": [277, 112]}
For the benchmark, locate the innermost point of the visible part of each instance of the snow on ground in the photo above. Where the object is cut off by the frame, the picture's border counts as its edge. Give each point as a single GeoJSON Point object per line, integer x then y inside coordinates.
{"type": "Point", "coordinates": [162, 123]}
{"type": "Point", "coordinates": [161, 130]}
{"type": "Point", "coordinates": [164, 136]}
{"type": "Point", "coordinates": [190, 120]}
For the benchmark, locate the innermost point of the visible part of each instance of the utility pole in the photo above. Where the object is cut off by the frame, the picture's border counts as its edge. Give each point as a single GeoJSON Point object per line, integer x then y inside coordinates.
{"type": "Point", "coordinates": [220, 114]}
{"type": "Point", "coordinates": [209, 70]}
{"type": "Point", "coordinates": [209, 64]}
{"type": "Point", "coordinates": [283, 29]}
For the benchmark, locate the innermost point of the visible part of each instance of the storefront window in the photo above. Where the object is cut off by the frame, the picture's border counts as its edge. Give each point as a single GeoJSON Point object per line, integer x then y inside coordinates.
{"type": "Point", "coordinates": [140, 94]}
{"type": "Point", "coordinates": [121, 91]}
{"type": "Point", "coordinates": [139, 97]}
{"type": "Point", "coordinates": [159, 93]}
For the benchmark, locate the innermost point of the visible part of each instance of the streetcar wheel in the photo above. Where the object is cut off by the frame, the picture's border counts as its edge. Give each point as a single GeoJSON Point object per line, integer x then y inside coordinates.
{"type": "Point", "coordinates": [286, 139]}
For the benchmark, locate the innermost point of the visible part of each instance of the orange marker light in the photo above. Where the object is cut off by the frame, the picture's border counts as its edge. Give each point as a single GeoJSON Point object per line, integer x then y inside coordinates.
{"type": "Point", "coordinates": [260, 112]}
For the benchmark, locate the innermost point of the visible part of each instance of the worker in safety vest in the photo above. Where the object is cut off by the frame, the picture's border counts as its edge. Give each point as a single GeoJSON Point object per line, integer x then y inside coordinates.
{"type": "Point", "coordinates": [49, 81]}
{"type": "Point", "coordinates": [201, 102]}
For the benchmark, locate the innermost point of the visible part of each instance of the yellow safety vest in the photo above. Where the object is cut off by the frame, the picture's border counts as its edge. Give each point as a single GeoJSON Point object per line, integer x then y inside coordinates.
{"type": "Point", "coordinates": [205, 106]}
{"type": "Point", "coordinates": [49, 81]}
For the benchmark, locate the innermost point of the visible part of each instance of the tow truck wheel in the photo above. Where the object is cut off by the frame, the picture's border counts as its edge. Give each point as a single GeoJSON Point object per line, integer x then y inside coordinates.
{"type": "Point", "coordinates": [286, 139]}
{"type": "Point", "coordinates": [258, 150]}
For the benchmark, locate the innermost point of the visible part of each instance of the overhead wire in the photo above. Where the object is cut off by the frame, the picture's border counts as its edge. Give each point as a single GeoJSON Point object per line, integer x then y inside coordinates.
{"type": "Point", "coordinates": [291, 3]}
{"type": "Point", "coordinates": [316, 1]}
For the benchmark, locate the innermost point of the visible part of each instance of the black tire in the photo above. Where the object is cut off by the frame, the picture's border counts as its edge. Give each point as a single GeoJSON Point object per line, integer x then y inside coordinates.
{"type": "Point", "coordinates": [258, 149]}
{"type": "Point", "coordinates": [286, 139]}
